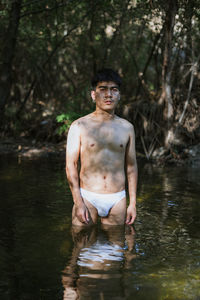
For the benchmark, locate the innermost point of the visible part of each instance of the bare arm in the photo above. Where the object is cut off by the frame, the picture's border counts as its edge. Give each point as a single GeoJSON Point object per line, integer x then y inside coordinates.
{"type": "Point", "coordinates": [72, 156]}
{"type": "Point", "coordinates": [132, 174]}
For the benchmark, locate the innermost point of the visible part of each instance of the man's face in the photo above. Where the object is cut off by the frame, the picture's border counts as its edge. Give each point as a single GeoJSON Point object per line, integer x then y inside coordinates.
{"type": "Point", "coordinates": [106, 95]}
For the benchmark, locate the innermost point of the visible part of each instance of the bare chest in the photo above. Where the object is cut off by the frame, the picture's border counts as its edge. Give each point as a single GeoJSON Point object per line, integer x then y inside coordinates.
{"type": "Point", "coordinates": [113, 138]}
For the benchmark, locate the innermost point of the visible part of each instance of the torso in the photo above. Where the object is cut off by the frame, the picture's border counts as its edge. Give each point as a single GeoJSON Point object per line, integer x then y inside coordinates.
{"type": "Point", "coordinates": [102, 154]}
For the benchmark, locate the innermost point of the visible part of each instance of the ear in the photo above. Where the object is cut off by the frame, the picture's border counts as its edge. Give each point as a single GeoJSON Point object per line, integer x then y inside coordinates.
{"type": "Point", "coordinates": [93, 95]}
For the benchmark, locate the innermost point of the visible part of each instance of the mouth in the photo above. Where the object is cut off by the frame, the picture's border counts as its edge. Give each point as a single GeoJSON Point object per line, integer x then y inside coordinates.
{"type": "Point", "coordinates": [108, 102]}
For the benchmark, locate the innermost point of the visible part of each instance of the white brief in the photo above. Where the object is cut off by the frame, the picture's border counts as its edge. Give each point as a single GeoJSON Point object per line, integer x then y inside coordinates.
{"type": "Point", "coordinates": [102, 202]}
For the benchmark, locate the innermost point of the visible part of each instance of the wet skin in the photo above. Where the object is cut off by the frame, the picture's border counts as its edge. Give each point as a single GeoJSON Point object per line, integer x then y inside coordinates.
{"type": "Point", "coordinates": [105, 144]}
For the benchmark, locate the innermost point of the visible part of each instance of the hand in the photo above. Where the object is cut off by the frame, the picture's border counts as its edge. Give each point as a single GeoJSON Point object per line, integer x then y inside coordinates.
{"type": "Point", "coordinates": [131, 214]}
{"type": "Point", "coordinates": [82, 213]}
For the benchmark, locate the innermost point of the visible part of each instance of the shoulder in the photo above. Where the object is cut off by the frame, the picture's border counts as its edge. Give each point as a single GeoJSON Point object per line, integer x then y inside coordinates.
{"type": "Point", "coordinates": [128, 125]}
{"type": "Point", "coordinates": [80, 122]}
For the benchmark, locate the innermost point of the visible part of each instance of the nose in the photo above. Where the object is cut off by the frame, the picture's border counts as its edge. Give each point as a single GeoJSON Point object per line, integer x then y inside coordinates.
{"type": "Point", "coordinates": [108, 93]}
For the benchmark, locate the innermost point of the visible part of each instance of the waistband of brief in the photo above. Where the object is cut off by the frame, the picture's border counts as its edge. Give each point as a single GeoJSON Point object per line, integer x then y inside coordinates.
{"type": "Point", "coordinates": [111, 195]}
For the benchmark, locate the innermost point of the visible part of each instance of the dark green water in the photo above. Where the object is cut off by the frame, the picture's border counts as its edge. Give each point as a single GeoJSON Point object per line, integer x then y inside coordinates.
{"type": "Point", "coordinates": [42, 257]}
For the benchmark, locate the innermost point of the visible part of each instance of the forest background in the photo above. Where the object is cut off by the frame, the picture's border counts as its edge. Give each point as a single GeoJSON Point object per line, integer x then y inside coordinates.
{"type": "Point", "coordinates": [51, 48]}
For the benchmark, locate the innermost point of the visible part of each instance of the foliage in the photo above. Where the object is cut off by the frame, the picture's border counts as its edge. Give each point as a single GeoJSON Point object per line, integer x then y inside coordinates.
{"type": "Point", "coordinates": [60, 44]}
{"type": "Point", "coordinates": [66, 120]}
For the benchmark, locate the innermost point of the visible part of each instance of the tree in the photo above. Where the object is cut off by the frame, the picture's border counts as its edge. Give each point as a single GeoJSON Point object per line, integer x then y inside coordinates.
{"type": "Point", "coordinates": [58, 45]}
{"type": "Point", "coordinates": [7, 54]}
{"type": "Point", "coordinates": [168, 65]}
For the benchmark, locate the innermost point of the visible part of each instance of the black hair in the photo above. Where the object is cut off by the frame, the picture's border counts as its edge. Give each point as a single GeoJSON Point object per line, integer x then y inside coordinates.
{"type": "Point", "coordinates": [106, 75]}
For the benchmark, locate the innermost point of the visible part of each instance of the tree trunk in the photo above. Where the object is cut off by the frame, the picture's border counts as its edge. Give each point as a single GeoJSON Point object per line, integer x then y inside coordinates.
{"type": "Point", "coordinates": [8, 55]}
{"type": "Point", "coordinates": [166, 96]}
{"type": "Point", "coordinates": [142, 76]}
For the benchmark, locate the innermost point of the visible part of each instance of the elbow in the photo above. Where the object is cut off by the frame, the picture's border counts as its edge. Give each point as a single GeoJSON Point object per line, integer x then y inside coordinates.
{"type": "Point", "coordinates": [69, 179]}
{"type": "Point", "coordinates": [69, 175]}
{"type": "Point", "coordinates": [132, 170]}
{"type": "Point", "coordinates": [72, 176]}
{"type": "Point", "coordinates": [67, 171]}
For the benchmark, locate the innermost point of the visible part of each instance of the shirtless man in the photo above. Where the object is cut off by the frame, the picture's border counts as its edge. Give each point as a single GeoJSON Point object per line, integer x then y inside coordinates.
{"type": "Point", "coordinates": [105, 144]}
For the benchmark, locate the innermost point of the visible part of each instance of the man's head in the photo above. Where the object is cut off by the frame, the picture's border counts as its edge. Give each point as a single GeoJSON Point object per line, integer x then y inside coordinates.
{"type": "Point", "coordinates": [105, 90]}
{"type": "Point", "coordinates": [106, 75]}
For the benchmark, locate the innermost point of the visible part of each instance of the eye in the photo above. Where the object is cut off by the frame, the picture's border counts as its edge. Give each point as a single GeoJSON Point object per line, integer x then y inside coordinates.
{"type": "Point", "coordinates": [115, 89]}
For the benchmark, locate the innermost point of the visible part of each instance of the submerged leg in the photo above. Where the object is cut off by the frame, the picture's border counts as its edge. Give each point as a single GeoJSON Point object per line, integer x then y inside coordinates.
{"type": "Point", "coordinates": [117, 214]}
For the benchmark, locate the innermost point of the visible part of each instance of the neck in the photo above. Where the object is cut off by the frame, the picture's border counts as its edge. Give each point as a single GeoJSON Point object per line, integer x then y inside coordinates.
{"type": "Point", "coordinates": [104, 115]}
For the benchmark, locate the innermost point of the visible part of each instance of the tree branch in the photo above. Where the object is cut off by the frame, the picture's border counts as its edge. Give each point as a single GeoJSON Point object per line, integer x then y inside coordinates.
{"type": "Point", "coordinates": [117, 29]}
{"type": "Point", "coordinates": [193, 70]}
{"type": "Point", "coordinates": [32, 86]}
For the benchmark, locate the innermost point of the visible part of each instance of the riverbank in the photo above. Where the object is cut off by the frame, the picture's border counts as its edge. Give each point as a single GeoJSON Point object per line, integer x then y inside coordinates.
{"type": "Point", "coordinates": [31, 149]}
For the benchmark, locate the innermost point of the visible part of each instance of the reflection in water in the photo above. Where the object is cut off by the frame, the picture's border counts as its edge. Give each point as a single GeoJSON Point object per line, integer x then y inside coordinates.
{"type": "Point", "coordinates": [99, 254]}
{"type": "Point", "coordinates": [42, 257]}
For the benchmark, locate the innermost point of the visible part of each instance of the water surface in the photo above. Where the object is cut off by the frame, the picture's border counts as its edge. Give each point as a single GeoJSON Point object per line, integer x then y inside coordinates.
{"type": "Point", "coordinates": [43, 257]}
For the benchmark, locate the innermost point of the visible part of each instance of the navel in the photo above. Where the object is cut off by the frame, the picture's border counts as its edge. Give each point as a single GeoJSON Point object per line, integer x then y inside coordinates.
{"type": "Point", "coordinates": [104, 177]}
{"type": "Point", "coordinates": [92, 145]}
{"type": "Point", "coordinates": [121, 146]}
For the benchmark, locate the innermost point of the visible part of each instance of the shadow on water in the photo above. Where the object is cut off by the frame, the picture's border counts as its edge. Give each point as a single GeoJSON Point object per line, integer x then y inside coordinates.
{"type": "Point", "coordinates": [43, 257]}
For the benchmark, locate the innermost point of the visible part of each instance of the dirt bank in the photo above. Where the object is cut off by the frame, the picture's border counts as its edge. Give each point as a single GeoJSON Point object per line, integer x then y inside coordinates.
{"type": "Point", "coordinates": [32, 149]}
